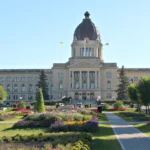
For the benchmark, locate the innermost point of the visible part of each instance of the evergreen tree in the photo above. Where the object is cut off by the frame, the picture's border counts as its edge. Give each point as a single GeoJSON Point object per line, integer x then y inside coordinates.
{"type": "Point", "coordinates": [43, 85]}
{"type": "Point", "coordinates": [39, 105]}
{"type": "Point", "coordinates": [122, 91]}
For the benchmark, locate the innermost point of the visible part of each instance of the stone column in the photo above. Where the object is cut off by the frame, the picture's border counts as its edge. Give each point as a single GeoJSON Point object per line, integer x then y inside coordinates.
{"type": "Point", "coordinates": [95, 79]}
{"type": "Point", "coordinates": [84, 51]}
{"type": "Point", "coordinates": [80, 79]}
{"type": "Point", "coordinates": [72, 79]}
{"type": "Point", "coordinates": [88, 79]}
{"type": "Point", "coordinates": [69, 79]}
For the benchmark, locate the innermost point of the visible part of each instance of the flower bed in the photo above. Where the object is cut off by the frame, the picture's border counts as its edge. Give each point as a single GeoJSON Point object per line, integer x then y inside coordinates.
{"type": "Point", "coordinates": [54, 138]}
{"type": "Point", "coordinates": [46, 119]}
{"type": "Point", "coordinates": [18, 109]}
{"type": "Point", "coordinates": [86, 126]}
{"type": "Point", "coordinates": [116, 109]}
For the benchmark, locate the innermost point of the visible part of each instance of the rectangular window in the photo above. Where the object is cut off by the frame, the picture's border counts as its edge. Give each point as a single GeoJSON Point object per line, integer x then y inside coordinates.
{"type": "Point", "coordinates": [135, 78]}
{"type": "Point", "coordinates": [92, 85]}
{"type": "Point", "coordinates": [82, 51]}
{"type": "Point", "coordinates": [108, 75]}
{"type": "Point", "coordinates": [108, 85]}
{"type": "Point", "coordinates": [129, 79]}
{"type": "Point", "coordinates": [77, 85]}
{"type": "Point", "coordinates": [84, 85]}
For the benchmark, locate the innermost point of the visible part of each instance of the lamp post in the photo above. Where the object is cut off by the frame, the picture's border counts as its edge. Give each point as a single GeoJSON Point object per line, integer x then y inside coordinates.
{"type": "Point", "coordinates": [20, 98]}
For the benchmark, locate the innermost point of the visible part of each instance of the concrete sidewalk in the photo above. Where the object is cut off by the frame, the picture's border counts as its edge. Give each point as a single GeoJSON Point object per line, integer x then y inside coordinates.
{"type": "Point", "coordinates": [129, 137]}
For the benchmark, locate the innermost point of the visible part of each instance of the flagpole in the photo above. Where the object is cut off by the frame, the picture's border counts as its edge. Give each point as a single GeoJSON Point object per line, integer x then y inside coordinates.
{"type": "Point", "coordinates": [61, 43]}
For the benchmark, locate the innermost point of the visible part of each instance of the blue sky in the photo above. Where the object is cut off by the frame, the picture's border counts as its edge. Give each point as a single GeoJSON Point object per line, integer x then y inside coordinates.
{"type": "Point", "coordinates": [31, 30]}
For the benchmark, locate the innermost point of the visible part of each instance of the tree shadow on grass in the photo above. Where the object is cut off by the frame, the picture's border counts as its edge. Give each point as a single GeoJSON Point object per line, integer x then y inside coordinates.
{"type": "Point", "coordinates": [104, 139]}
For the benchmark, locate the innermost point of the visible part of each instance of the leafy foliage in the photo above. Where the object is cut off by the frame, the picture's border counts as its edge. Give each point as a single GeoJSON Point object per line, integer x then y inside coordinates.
{"type": "Point", "coordinates": [106, 106]}
{"type": "Point", "coordinates": [3, 94]}
{"type": "Point", "coordinates": [39, 105]}
{"type": "Point", "coordinates": [118, 104]}
{"type": "Point", "coordinates": [123, 85]}
{"type": "Point", "coordinates": [132, 92]}
{"type": "Point", "coordinates": [143, 88]}
{"type": "Point", "coordinates": [43, 85]}
{"type": "Point", "coordinates": [22, 104]}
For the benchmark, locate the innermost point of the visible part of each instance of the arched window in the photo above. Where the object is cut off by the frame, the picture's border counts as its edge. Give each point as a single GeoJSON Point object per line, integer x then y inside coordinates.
{"type": "Point", "coordinates": [108, 85]}
{"type": "Point", "coordinates": [60, 85]}
{"type": "Point", "coordinates": [87, 52]}
{"type": "Point", "coordinates": [82, 51]}
{"type": "Point", "coordinates": [23, 88]}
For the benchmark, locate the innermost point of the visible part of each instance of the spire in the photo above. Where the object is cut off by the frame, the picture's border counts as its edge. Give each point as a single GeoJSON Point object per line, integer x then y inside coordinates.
{"type": "Point", "coordinates": [87, 14]}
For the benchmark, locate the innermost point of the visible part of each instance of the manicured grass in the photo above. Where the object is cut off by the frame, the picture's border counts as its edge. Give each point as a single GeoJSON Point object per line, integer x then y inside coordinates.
{"type": "Point", "coordinates": [102, 117]}
{"type": "Point", "coordinates": [143, 128]}
{"type": "Point", "coordinates": [7, 130]}
{"type": "Point", "coordinates": [104, 139]}
{"type": "Point", "coordinates": [131, 110]}
{"type": "Point", "coordinates": [128, 119]}
{"type": "Point", "coordinates": [16, 118]}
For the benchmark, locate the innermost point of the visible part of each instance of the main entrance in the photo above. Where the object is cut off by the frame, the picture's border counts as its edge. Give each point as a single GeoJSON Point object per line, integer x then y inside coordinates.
{"type": "Point", "coordinates": [84, 95]}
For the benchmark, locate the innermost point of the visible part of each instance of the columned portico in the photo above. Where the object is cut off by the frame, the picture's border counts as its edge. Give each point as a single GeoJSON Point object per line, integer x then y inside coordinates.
{"type": "Point", "coordinates": [84, 82]}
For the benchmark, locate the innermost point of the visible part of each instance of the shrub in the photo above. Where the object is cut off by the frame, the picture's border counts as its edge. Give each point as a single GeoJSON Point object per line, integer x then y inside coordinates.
{"type": "Point", "coordinates": [86, 112]}
{"type": "Point", "coordinates": [89, 126]}
{"type": "Point", "coordinates": [118, 104]}
{"type": "Point", "coordinates": [21, 104]}
{"type": "Point", "coordinates": [39, 105]}
{"type": "Point", "coordinates": [14, 105]}
{"type": "Point", "coordinates": [106, 106]}
{"type": "Point", "coordinates": [55, 138]}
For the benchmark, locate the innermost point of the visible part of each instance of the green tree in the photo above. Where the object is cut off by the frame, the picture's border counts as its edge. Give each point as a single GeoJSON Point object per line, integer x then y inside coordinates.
{"type": "Point", "coordinates": [3, 94]}
{"type": "Point", "coordinates": [22, 104]}
{"type": "Point", "coordinates": [39, 105]}
{"type": "Point", "coordinates": [43, 84]}
{"type": "Point", "coordinates": [133, 94]}
{"type": "Point", "coordinates": [122, 93]}
{"type": "Point", "coordinates": [143, 88]}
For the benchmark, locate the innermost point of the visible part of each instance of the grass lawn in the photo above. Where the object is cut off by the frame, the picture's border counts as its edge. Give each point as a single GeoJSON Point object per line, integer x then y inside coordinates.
{"type": "Point", "coordinates": [128, 119]}
{"type": "Point", "coordinates": [102, 117]}
{"type": "Point", "coordinates": [104, 139]}
{"type": "Point", "coordinates": [6, 130]}
{"type": "Point", "coordinates": [143, 128]}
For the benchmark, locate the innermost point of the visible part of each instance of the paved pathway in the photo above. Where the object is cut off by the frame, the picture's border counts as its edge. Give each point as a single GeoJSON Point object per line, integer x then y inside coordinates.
{"type": "Point", "coordinates": [129, 137]}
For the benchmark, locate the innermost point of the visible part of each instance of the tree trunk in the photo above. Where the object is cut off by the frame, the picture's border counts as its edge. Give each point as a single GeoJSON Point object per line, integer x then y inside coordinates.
{"type": "Point", "coordinates": [146, 109]}
{"type": "Point", "coordinates": [139, 108]}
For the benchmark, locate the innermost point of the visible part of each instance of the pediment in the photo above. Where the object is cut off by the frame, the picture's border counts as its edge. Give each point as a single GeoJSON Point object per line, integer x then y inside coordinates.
{"type": "Point", "coordinates": [84, 65]}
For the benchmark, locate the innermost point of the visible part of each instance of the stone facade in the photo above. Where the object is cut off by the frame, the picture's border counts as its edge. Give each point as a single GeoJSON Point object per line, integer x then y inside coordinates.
{"type": "Point", "coordinates": [84, 77]}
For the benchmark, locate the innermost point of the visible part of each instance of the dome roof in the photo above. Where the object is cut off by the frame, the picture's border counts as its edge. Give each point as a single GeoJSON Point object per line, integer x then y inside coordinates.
{"type": "Point", "coordinates": [86, 29]}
